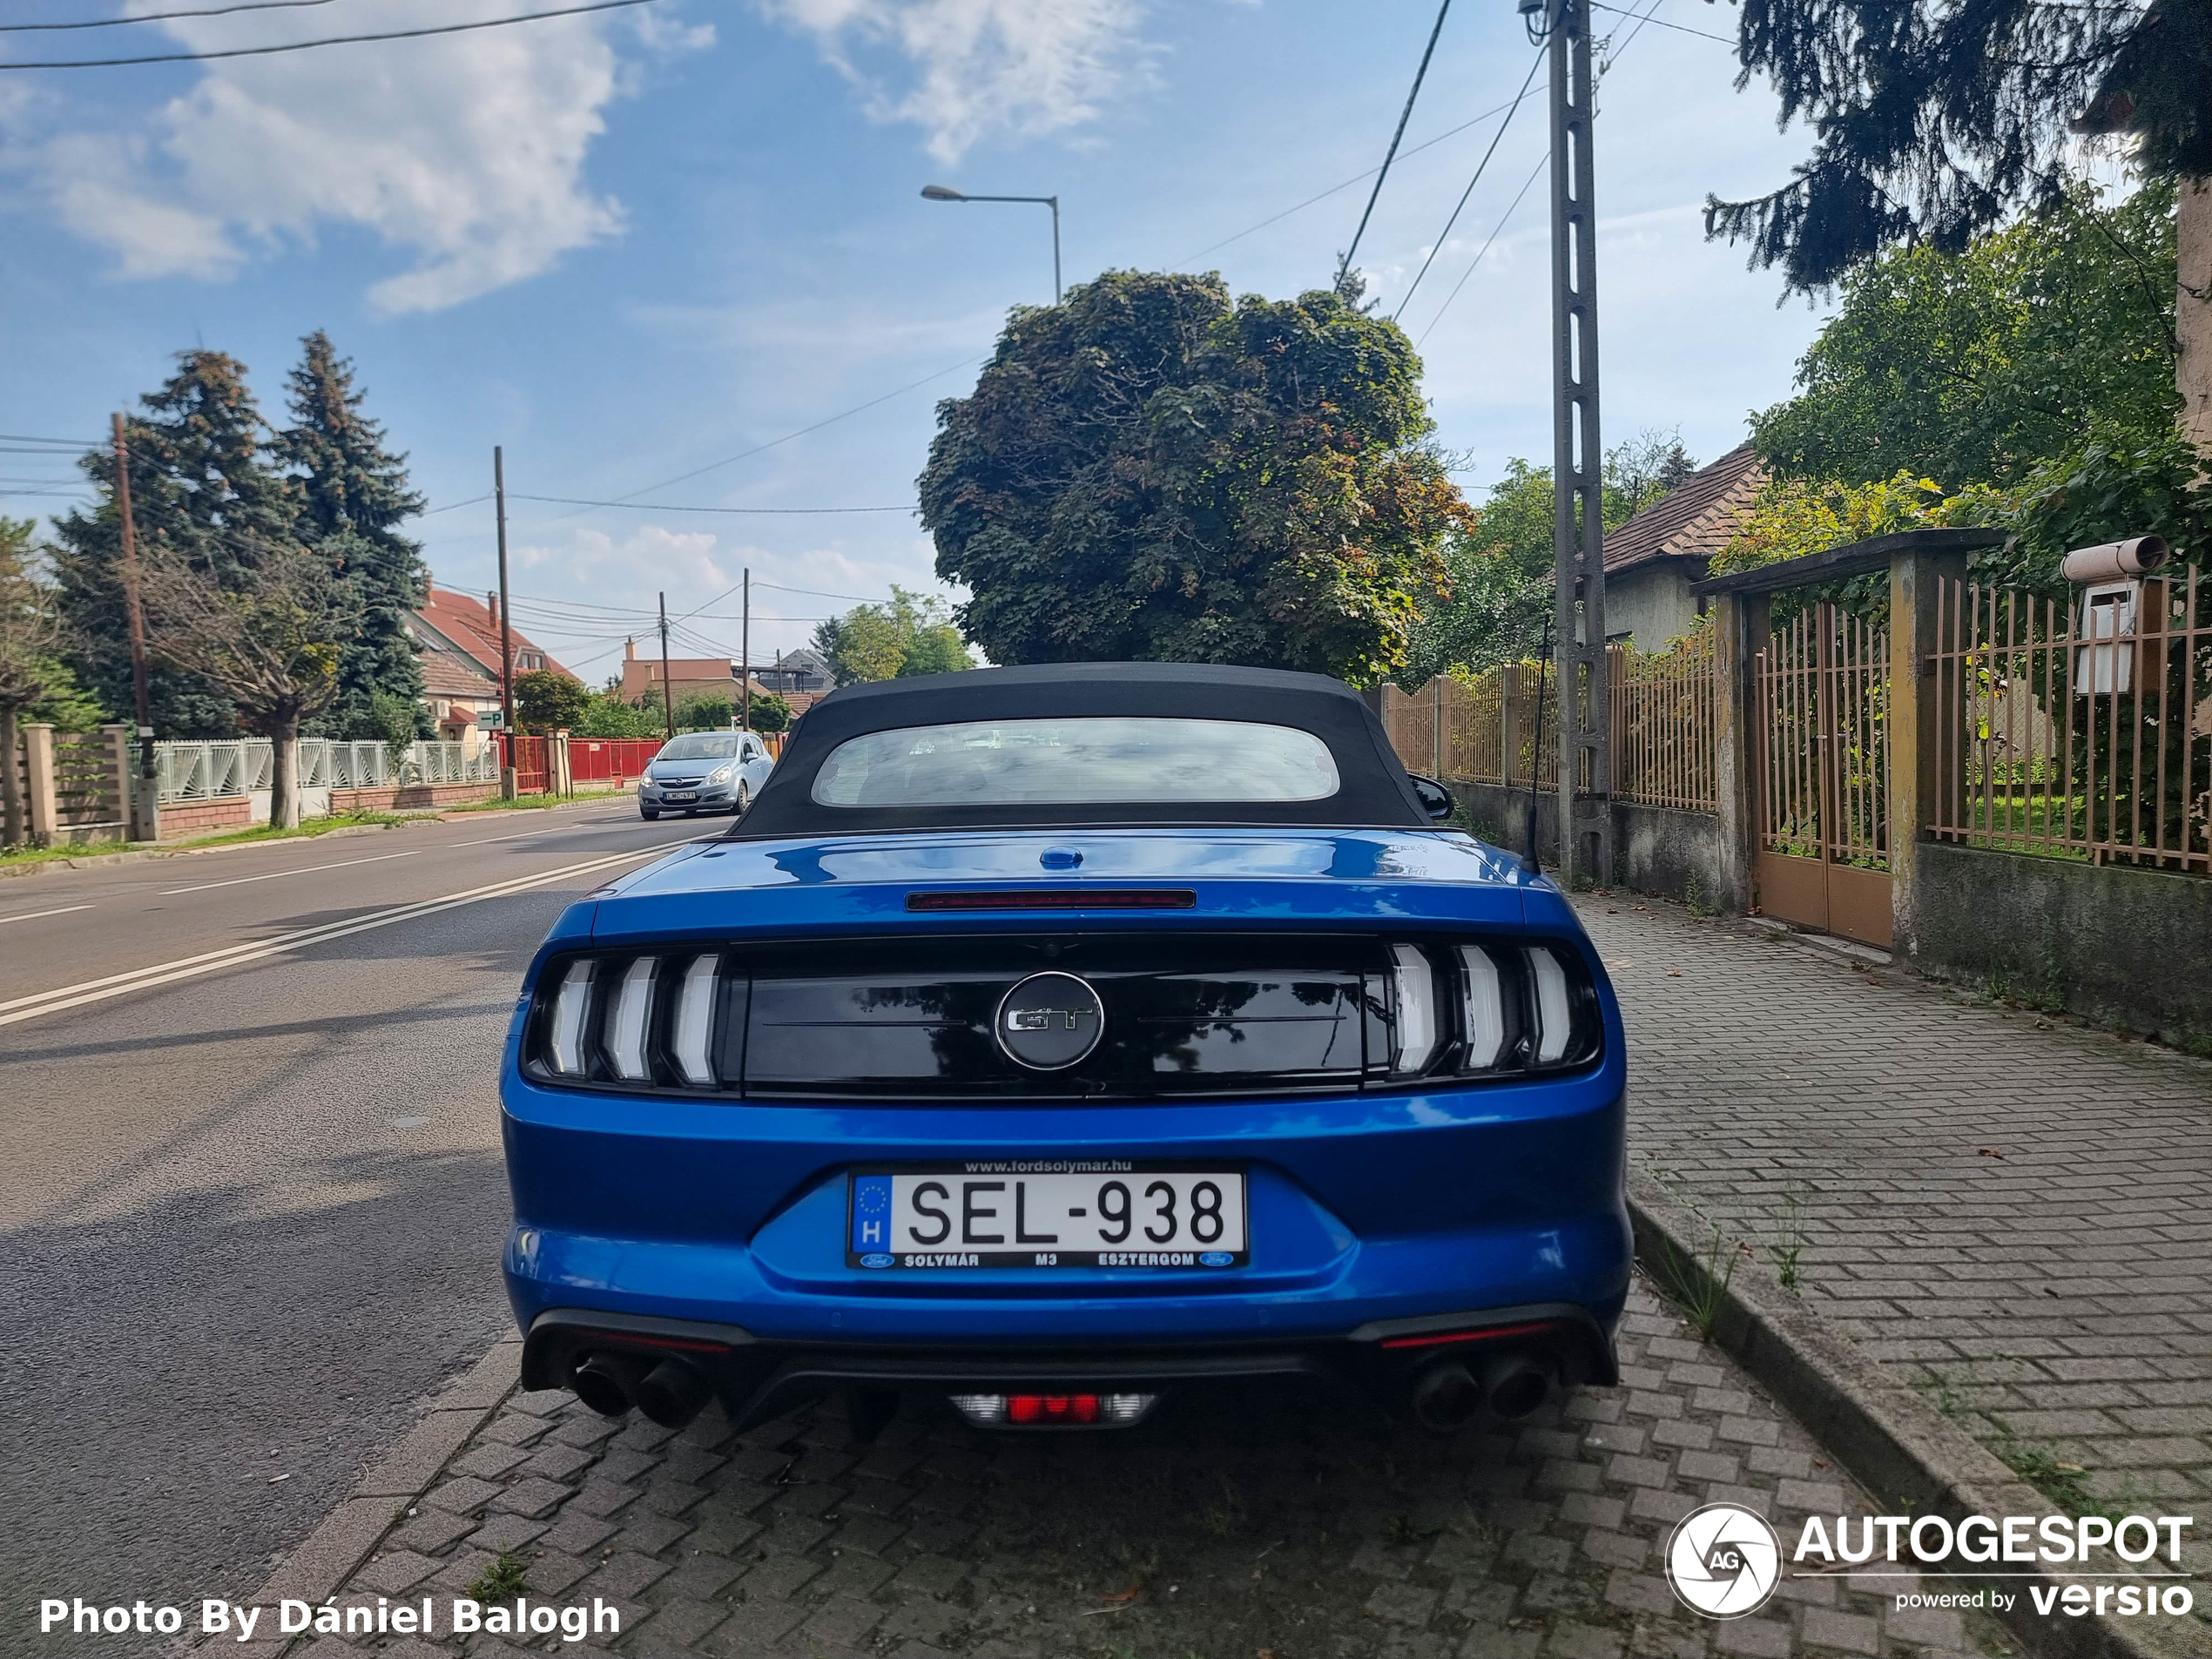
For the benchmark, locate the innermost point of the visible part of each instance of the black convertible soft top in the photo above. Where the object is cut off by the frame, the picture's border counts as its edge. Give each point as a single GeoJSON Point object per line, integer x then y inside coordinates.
{"type": "Point", "coordinates": [1372, 789]}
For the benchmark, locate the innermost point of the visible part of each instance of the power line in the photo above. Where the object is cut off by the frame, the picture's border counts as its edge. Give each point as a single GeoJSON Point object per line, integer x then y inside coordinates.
{"type": "Point", "coordinates": [1613, 56]}
{"type": "Point", "coordinates": [1534, 64]}
{"type": "Point", "coordinates": [657, 507]}
{"type": "Point", "coordinates": [1390, 154]}
{"type": "Point", "coordinates": [1426, 143]}
{"type": "Point", "coordinates": [160, 16]}
{"type": "Point", "coordinates": [332, 40]}
{"type": "Point", "coordinates": [758, 448]}
{"type": "Point", "coordinates": [1495, 231]}
{"type": "Point", "coordinates": [67, 444]}
{"type": "Point", "coordinates": [429, 512]}
{"type": "Point", "coordinates": [1680, 28]}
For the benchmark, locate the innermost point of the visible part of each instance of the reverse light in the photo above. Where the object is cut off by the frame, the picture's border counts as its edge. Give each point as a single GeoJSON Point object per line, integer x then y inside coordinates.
{"type": "Point", "coordinates": [1053, 1411]}
{"type": "Point", "coordinates": [626, 1025]}
{"type": "Point", "coordinates": [571, 1008]}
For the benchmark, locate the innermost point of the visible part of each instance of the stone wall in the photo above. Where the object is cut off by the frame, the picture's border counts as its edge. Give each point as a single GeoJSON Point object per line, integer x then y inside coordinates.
{"type": "Point", "coordinates": [1658, 850]}
{"type": "Point", "coordinates": [2121, 946]}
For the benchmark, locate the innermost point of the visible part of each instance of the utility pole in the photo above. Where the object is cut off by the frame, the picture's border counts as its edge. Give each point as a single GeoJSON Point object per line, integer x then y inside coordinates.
{"type": "Point", "coordinates": [667, 686]}
{"type": "Point", "coordinates": [745, 649]}
{"type": "Point", "coordinates": [1578, 462]}
{"type": "Point", "coordinates": [145, 812]}
{"type": "Point", "coordinates": [506, 631]}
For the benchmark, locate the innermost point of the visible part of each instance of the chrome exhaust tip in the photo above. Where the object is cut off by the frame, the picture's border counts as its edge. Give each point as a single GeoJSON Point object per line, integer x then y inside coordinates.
{"type": "Point", "coordinates": [1516, 1386]}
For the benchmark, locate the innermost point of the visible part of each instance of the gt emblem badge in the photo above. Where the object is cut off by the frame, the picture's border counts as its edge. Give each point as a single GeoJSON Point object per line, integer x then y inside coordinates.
{"type": "Point", "coordinates": [1049, 1021]}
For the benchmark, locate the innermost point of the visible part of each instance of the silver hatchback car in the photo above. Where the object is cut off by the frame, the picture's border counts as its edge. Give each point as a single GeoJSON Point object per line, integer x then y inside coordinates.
{"type": "Point", "coordinates": [705, 771]}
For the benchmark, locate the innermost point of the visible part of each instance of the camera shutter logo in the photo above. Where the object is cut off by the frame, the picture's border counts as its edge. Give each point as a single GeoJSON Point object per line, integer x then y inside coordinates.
{"type": "Point", "coordinates": [1049, 1021]}
{"type": "Point", "coordinates": [1724, 1561]}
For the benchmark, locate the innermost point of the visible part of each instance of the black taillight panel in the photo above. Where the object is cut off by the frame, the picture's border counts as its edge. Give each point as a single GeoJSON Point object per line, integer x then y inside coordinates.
{"type": "Point", "coordinates": [916, 1020]}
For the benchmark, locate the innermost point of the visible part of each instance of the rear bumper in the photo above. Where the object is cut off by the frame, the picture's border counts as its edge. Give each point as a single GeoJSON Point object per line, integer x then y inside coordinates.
{"type": "Point", "coordinates": [760, 1378]}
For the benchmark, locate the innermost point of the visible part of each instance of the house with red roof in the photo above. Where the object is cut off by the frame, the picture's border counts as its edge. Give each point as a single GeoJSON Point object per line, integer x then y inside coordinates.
{"type": "Point", "coordinates": [457, 638]}
{"type": "Point", "coordinates": [1651, 560]}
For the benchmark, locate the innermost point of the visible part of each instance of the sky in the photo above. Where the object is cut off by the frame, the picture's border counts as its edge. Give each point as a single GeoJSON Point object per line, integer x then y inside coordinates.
{"type": "Point", "coordinates": [675, 251]}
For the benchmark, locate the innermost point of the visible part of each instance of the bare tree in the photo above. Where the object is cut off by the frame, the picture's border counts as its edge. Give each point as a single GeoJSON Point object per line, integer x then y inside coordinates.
{"type": "Point", "coordinates": [269, 634]}
{"type": "Point", "coordinates": [30, 635]}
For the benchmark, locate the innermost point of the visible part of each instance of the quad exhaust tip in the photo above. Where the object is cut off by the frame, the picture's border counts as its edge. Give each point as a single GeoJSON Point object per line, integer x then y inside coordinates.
{"type": "Point", "coordinates": [1447, 1396]}
{"type": "Point", "coordinates": [671, 1394]}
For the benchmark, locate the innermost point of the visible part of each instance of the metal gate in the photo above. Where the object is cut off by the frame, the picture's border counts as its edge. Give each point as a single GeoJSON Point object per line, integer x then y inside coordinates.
{"type": "Point", "coordinates": [1822, 693]}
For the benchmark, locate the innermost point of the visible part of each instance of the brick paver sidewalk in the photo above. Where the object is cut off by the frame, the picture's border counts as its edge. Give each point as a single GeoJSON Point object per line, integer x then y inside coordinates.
{"type": "Point", "coordinates": [2018, 1211]}
{"type": "Point", "coordinates": [1276, 1524]}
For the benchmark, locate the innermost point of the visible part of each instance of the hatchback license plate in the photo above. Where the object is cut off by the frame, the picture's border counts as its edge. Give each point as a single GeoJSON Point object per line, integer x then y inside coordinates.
{"type": "Point", "coordinates": [1046, 1213]}
{"type": "Point", "coordinates": [679, 794]}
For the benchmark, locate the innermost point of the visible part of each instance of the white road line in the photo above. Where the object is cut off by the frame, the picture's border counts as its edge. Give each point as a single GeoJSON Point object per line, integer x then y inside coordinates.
{"type": "Point", "coordinates": [305, 869]}
{"type": "Point", "coordinates": [34, 914]}
{"type": "Point", "coordinates": [70, 996]}
{"type": "Point", "coordinates": [550, 829]}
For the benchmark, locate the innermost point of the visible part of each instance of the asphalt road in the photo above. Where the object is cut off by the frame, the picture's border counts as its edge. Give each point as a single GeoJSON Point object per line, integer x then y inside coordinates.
{"type": "Point", "coordinates": [251, 1209]}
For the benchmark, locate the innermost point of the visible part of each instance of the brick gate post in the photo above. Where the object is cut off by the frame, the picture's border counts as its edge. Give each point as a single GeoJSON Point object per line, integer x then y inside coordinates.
{"type": "Point", "coordinates": [1915, 717]}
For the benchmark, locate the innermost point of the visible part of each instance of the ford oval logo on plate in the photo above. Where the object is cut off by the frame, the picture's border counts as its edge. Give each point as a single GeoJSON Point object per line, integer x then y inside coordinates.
{"type": "Point", "coordinates": [1216, 1258]}
{"type": "Point", "coordinates": [881, 1260]}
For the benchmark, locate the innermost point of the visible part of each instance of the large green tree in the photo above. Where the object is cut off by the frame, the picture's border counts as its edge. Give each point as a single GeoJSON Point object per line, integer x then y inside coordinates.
{"type": "Point", "coordinates": [354, 496]}
{"type": "Point", "coordinates": [205, 498]}
{"type": "Point", "coordinates": [1151, 470]}
{"type": "Point", "coordinates": [1936, 121]}
{"type": "Point", "coordinates": [1979, 366]}
{"type": "Point", "coordinates": [1501, 565]}
{"type": "Point", "coordinates": [912, 634]}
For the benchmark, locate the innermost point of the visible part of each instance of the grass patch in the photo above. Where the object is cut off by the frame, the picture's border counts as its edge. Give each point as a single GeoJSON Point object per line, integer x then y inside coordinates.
{"type": "Point", "coordinates": [1790, 1239]}
{"type": "Point", "coordinates": [533, 803]}
{"type": "Point", "coordinates": [307, 828]}
{"type": "Point", "coordinates": [13, 856]}
{"type": "Point", "coordinates": [506, 1577]}
{"type": "Point", "coordinates": [1698, 1284]}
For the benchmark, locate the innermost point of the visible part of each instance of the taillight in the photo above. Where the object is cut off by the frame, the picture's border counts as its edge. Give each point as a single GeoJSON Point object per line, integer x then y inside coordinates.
{"type": "Point", "coordinates": [652, 1018]}
{"type": "Point", "coordinates": [1487, 1009]}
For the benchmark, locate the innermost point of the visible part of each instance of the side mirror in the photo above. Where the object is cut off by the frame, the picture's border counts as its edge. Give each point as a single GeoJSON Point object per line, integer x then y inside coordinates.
{"type": "Point", "coordinates": [1436, 800]}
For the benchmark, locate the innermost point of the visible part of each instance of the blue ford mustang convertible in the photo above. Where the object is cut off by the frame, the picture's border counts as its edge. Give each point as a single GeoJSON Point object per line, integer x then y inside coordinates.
{"type": "Point", "coordinates": [1049, 1040]}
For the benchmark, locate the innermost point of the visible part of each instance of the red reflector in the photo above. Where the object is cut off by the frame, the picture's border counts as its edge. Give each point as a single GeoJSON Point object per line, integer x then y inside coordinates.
{"type": "Point", "coordinates": [1059, 898]}
{"type": "Point", "coordinates": [1052, 1408]}
{"type": "Point", "coordinates": [1489, 1334]}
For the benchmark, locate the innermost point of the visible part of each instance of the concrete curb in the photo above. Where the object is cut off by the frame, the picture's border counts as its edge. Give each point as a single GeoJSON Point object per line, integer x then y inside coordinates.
{"type": "Point", "coordinates": [1908, 1455]}
{"type": "Point", "coordinates": [350, 1534]}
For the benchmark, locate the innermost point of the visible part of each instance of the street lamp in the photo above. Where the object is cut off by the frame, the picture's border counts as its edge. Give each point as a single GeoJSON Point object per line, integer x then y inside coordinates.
{"type": "Point", "coordinates": [945, 194]}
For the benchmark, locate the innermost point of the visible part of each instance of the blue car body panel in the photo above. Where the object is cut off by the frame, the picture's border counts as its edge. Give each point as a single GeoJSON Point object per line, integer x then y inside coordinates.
{"type": "Point", "coordinates": [1375, 1204]}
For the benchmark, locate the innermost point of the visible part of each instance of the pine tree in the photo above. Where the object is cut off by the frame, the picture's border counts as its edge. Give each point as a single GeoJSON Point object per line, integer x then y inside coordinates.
{"type": "Point", "coordinates": [202, 492]}
{"type": "Point", "coordinates": [354, 495]}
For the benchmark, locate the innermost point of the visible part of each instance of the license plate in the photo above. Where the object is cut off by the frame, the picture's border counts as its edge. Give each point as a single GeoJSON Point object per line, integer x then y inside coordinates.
{"type": "Point", "coordinates": [679, 794]}
{"type": "Point", "coordinates": [1046, 1213]}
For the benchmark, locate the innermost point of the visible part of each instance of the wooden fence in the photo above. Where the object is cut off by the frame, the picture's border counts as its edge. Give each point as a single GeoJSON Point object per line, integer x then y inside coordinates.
{"type": "Point", "coordinates": [1485, 728]}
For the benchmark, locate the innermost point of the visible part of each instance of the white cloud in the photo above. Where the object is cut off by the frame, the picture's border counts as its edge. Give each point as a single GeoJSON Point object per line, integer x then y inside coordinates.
{"type": "Point", "coordinates": [466, 154]}
{"type": "Point", "coordinates": [975, 67]}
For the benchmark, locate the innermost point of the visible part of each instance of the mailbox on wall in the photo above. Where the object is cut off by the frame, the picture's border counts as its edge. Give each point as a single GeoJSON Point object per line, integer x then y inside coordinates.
{"type": "Point", "coordinates": [2120, 602]}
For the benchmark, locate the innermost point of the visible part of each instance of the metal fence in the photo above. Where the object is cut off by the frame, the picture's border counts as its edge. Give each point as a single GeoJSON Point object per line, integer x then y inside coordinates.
{"type": "Point", "coordinates": [1500, 726]}
{"type": "Point", "coordinates": [215, 769]}
{"type": "Point", "coordinates": [1821, 691]}
{"type": "Point", "coordinates": [2080, 741]}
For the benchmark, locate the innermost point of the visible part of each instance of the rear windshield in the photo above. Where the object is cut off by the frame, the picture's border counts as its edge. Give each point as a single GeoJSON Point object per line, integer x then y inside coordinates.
{"type": "Point", "coordinates": [699, 746]}
{"type": "Point", "coordinates": [1090, 758]}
